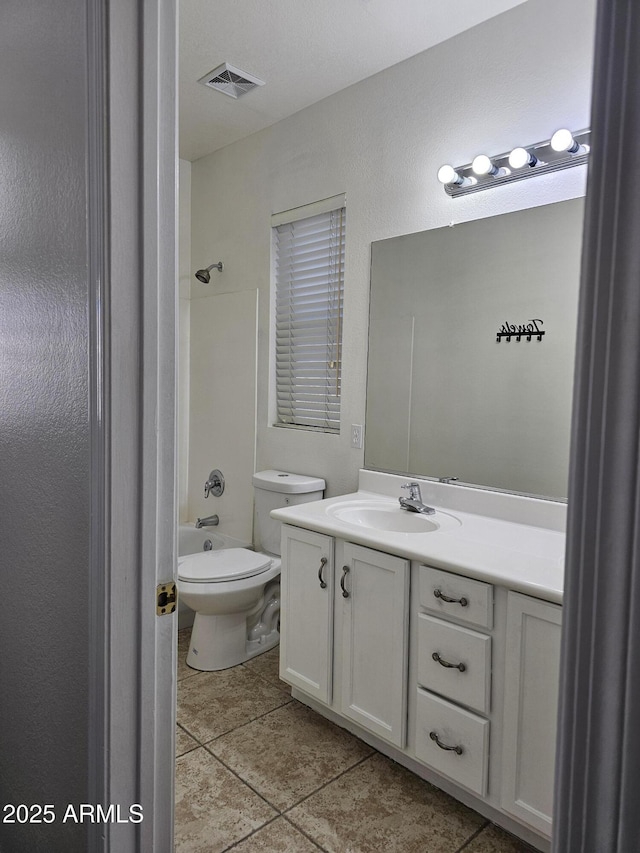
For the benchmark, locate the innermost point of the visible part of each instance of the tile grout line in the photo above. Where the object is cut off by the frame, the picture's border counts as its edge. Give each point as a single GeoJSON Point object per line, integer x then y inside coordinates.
{"type": "Point", "coordinates": [282, 812]}
{"type": "Point", "coordinates": [207, 744]}
{"type": "Point", "coordinates": [198, 744]}
{"type": "Point", "coordinates": [279, 812]}
{"type": "Point", "coordinates": [473, 836]}
{"type": "Point", "coordinates": [273, 820]}
{"type": "Point", "coordinates": [288, 701]}
{"type": "Point", "coordinates": [190, 672]}
{"type": "Point", "coordinates": [324, 785]}
{"type": "Point", "coordinates": [250, 834]}
{"type": "Point", "coordinates": [526, 846]}
{"type": "Point", "coordinates": [244, 782]}
{"type": "Point", "coordinates": [269, 681]}
{"type": "Point", "coordinates": [237, 728]}
{"type": "Point", "coordinates": [261, 679]}
{"type": "Point", "coordinates": [305, 833]}
{"type": "Point", "coordinates": [241, 780]}
{"type": "Point", "coordinates": [250, 670]}
{"type": "Point", "coordinates": [188, 675]}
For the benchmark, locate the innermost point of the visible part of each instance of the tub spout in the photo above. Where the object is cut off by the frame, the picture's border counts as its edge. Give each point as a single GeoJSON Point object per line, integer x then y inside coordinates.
{"type": "Point", "coordinates": [209, 521]}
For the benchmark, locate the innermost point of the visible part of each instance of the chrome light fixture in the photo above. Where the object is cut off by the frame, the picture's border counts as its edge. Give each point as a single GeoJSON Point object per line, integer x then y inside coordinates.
{"type": "Point", "coordinates": [562, 151]}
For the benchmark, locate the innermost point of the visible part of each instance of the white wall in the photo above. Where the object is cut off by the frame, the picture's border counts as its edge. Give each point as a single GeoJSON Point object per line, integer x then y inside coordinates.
{"type": "Point", "coordinates": [184, 334]}
{"type": "Point", "coordinates": [223, 406]}
{"type": "Point", "coordinates": [216, 386]}
{"type": "Point", "coordinates": [511, 81]}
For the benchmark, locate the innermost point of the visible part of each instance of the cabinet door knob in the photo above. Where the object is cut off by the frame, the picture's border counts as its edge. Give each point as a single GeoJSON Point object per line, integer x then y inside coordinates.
{"type": "Point", "coordinates": [323, 563]}
{"type": "Point", "coordinates": [457, 749]}
{"type": "Point", "coordinates": [345, 572]}
{"type": "Point", "coordinates": [461, 666]}
{"type": "Point", "coordinates": [461, 601]}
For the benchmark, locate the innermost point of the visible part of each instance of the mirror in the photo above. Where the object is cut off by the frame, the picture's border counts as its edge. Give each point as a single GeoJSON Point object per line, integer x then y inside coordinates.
{"type": "Point", "coordinates": [471, 350]}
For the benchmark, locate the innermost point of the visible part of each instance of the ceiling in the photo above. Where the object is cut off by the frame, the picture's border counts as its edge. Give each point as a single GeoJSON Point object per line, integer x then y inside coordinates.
{"type": "Point", "coordinates": [304, 50]}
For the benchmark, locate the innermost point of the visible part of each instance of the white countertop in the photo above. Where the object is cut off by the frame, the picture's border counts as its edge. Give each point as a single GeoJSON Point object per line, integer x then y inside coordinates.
{"type": "Point", "coordinates": [523, 557]}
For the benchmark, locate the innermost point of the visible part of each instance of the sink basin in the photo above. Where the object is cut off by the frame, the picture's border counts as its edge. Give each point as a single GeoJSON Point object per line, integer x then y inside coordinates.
{"type": "Point", "coordinates": [389, 517]}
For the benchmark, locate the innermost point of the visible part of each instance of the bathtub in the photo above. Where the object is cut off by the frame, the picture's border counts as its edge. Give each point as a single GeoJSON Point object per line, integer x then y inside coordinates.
{"type": "Point", "coordinates": [190, 541]}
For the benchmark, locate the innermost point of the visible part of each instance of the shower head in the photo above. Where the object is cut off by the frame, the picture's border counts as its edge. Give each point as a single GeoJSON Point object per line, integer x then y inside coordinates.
{"type": "Point", "coordinates": [203, 275]}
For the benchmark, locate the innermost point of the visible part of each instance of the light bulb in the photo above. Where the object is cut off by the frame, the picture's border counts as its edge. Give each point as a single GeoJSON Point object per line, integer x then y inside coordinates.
{"type": "Point", "coordinates": [562, 140]}
{"type": "Point", "coordinates": [482, 165]}
{"type": "Point", "coordinates": [448, 175]}
{"type": "Point", "coordinates": [520, 157]}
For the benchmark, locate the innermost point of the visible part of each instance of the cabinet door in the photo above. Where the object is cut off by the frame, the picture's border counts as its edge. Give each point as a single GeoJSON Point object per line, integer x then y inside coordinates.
{"type": "Point", "coordinates": [375, 621]}
{"type": "Point", "coordinates": [306, 615]}
{"type": "Point", "coordinates": [530, 707]}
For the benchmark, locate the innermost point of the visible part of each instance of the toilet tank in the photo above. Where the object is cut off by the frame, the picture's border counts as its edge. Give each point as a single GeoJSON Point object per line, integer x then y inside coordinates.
{"type": "Point", "coordinates": [276, 489]}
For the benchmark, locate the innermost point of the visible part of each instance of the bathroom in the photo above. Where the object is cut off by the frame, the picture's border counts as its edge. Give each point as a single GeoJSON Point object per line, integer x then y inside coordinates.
{"type": "Point", "coordinates": [383, 151]}
{"type": "Point", "coordinates": [381, 142]}
{"type": "Point", "coordinates": [88, 499]}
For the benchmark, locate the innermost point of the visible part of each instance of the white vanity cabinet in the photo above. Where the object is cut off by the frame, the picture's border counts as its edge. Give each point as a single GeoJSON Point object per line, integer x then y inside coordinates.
{"type": "Point", "coordinates": [532, 670]}
{"type": "Point", "coordinates": [454, 677]}
{"type": "Point", "coordinates": [374, 589]}
{"type": "Point", "coordinates": [306, 621]}
{"type": "Point", "coordinates": [364, 602]}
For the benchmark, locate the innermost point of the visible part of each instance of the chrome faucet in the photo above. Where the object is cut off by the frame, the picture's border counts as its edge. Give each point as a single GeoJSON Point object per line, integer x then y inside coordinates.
{"type": "Point", "coordinates": [414, 502]}
{"type": "Point", "coordinates": [209, 521]}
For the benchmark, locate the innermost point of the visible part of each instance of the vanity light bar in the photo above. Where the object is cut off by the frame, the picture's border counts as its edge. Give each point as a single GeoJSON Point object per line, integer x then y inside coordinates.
{"type": "Point", "coordinates": [562, 151]}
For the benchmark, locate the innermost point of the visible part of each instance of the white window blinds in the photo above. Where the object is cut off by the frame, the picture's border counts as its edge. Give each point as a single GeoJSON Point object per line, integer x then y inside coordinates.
{"type": "Point", "coordinates": [309, 273]}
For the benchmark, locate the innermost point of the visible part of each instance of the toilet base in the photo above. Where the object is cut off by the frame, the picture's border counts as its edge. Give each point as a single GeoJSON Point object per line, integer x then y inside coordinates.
{"type": "Point", "coordinates": [219, 642]}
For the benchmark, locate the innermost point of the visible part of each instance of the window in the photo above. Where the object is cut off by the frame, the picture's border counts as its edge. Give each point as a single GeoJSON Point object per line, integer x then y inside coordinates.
{"type": "Point", "coordinates": [309, 282]}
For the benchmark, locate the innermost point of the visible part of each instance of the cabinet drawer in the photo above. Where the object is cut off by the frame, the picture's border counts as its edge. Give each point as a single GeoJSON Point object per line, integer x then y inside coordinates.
{"type": "Point", "coordinates": [440, 722]}
{"type": "Point", "coordinates": [468, 680]}
{"type": "Point", "coordinates": [472, 601]}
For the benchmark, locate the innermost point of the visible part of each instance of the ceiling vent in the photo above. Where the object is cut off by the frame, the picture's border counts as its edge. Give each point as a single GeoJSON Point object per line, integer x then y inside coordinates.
{"type": "Point", "coordinates": [231, 81]}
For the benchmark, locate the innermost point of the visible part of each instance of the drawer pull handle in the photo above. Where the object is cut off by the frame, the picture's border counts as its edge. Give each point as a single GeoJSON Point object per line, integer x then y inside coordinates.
{"type": "Point", "coordinates": [345, 572]}
{"type": "Point", "coordinates": [323, 563]}
{"type": "Point", "coordinates": [463, 602]}
{"type": "Point", "coordinates": [461, 666]}
{"type": "Point", "coordinates": [457, 749]}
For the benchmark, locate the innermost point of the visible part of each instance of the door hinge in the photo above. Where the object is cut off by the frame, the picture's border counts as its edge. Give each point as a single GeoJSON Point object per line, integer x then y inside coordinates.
{"type": "Point", "coordinates": [166, 598]}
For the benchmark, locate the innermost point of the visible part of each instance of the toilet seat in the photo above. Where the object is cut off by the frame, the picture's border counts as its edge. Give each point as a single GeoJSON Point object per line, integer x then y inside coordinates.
{"type": "Point", "coordinates": [226, 564]}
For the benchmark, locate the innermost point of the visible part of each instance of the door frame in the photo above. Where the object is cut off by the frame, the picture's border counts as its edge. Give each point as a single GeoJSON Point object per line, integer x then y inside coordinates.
{"type": "Point", "coordinates": [131, 234]}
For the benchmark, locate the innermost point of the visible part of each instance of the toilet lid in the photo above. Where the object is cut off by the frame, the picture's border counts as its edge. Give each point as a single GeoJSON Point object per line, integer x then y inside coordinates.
{"type": "Point", "coordinates": [223, 565]}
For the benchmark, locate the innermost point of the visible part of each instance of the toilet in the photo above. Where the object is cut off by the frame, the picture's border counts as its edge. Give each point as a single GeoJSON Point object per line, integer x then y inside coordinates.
{"type": "Point", "coordinates": [235, 592]}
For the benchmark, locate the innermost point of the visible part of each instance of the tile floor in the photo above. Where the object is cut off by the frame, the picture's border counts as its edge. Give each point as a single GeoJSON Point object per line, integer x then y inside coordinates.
{"type": "Point", "coordinates": [258, 771]}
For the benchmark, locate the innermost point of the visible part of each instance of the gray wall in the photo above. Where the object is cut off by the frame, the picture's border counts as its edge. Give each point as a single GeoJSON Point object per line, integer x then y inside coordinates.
{"type": "Point", "coordinates": [44, 428]}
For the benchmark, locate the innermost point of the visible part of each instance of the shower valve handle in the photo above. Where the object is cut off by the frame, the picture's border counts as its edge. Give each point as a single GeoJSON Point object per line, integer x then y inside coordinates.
{"type": "Point", "coordinates": [215, 484]}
